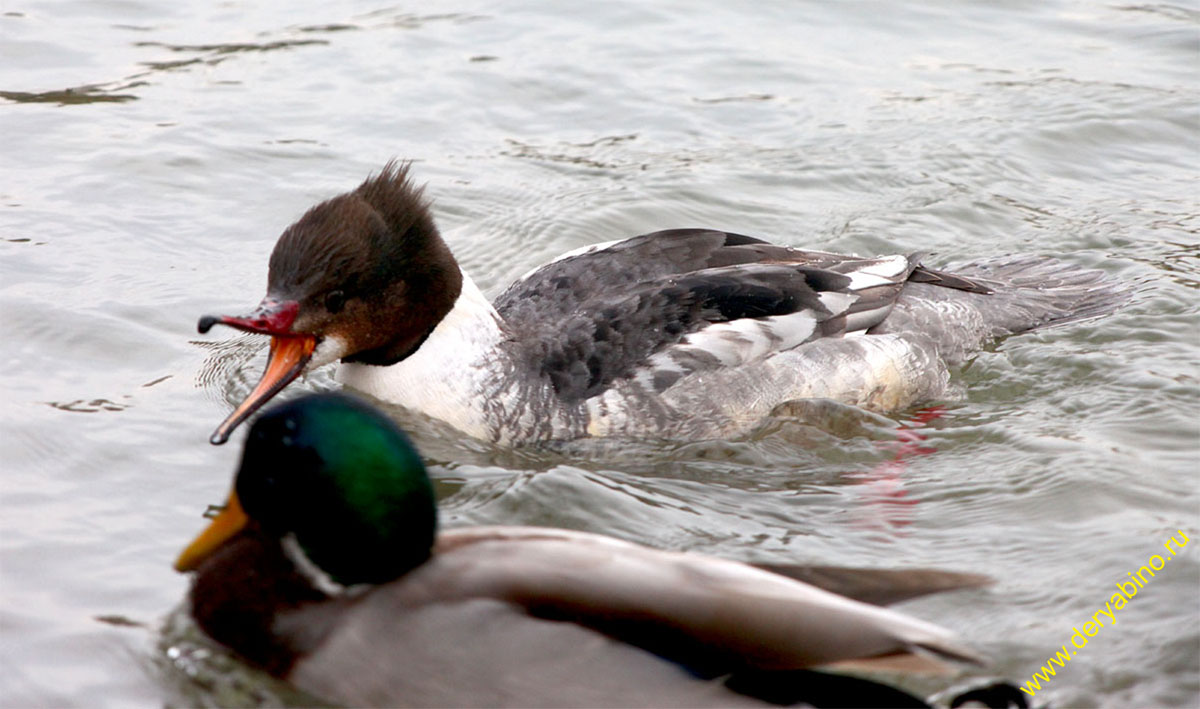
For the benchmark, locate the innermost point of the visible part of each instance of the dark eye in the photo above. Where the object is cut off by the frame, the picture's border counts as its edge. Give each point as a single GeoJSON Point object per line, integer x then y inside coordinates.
{"type": "Point", "coordinates": [335, 300]}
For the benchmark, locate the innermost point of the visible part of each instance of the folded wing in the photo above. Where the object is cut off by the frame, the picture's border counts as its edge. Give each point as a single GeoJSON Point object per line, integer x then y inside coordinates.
{"type": "Point", "coordinates": [664, 305]}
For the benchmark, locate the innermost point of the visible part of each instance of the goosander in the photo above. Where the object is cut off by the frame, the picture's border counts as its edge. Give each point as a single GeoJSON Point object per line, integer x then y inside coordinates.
{"type": "Point", "coordinates": [326, 568]}
{"type": "Point", "coordinates": [679, 334]}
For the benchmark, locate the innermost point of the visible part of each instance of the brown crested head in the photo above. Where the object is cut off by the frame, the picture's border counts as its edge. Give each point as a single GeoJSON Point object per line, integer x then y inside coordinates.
{"type": "Point", "coordinates": [364, 277]}
{"type": "Point", "coordinates": [369, 268]}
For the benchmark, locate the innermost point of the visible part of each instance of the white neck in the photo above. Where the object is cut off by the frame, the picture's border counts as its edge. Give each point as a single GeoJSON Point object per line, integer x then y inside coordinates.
{"type": "Point", "coordinates": [472, 318]}
{"type": "Point", "coordinates": [444, 377]}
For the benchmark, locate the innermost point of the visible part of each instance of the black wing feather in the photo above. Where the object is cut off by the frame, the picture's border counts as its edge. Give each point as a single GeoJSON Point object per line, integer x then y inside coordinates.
{"type": "Point", "coordinates": [589, 319]}
{"type": "Point", "coordinates": [613, 335]}
{"type": "Point", "coordinates": [560, 287]}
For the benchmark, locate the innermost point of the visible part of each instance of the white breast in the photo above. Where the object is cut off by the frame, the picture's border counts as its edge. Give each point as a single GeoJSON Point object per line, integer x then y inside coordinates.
{"type": "Point", "coordinates": [446, 377]}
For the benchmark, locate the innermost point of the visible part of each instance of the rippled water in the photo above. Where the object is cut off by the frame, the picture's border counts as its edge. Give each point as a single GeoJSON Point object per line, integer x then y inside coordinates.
{"type": "Point", "coordinates": [153, 151]}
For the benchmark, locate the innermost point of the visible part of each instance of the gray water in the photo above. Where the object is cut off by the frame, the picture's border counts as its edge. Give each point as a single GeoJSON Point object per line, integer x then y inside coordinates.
{"type": "Point", "coordinates": [152, 152]}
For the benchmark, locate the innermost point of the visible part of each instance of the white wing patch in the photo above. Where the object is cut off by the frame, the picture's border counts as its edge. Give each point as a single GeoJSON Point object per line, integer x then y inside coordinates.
{"type": "Point", "coordinates": [836, 301]}
{"type": "Point", "coordinates": [730, 344]}
{"type": "Point", "coordinates": [878, 272]}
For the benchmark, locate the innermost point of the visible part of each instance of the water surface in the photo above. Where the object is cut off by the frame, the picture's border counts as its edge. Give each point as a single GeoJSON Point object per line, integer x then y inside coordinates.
{"type": "Point", "coordinates": [153, 151]}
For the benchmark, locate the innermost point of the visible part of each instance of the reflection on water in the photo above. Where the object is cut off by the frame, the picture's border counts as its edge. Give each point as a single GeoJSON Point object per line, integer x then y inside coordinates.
{"type": "Point", "coordinates": [79, 94]}
{"type": "Point", "coordinates": [87, 407]}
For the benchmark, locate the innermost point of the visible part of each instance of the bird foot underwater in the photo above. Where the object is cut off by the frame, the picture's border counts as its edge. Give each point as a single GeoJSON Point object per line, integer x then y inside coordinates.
{"type": "Point", "coordinates": [884, 502]}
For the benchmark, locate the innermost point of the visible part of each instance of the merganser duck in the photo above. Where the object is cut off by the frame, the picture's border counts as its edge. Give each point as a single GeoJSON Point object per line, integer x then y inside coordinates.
{"type": "Point", "coordinates": [326, 568]}
{"type": "Point", "coordinates": [678, 334]}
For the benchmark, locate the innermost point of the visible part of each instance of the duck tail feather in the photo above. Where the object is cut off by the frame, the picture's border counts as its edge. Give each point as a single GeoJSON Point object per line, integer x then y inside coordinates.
{"type": "Point", "coordinates": [1027, 293]}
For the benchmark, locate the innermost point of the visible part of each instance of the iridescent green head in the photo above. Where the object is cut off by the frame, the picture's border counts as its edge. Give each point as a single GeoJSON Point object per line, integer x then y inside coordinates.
{"type": "Point", "coordinates": [343, 479]}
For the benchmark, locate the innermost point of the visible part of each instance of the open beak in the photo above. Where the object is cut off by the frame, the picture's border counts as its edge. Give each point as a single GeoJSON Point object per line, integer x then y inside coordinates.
{"type": "Point", "coordinates": [231, 521]}
{"type": "Point", "coordinates": [290, 352]}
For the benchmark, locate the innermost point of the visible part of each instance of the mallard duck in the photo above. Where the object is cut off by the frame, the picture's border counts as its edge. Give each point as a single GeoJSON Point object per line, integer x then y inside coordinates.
{"type": "Point", "coordinates": [679, 334]}
{"type": "Point", "coordinates": [326, 568]}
